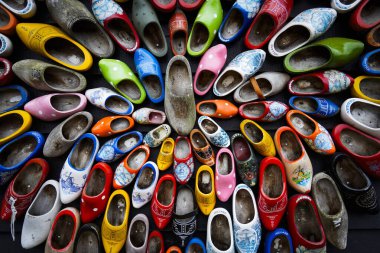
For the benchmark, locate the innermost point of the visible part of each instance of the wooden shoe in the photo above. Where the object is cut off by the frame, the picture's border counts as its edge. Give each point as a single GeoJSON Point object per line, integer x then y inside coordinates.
{"type": "Point", "coordinates": [145, 184]}
{"type": "Point", "coordinates": [225, 175]}
{"type": "Point", "coordinates": [6, 73]}
{"type": "Point", "coordinates": [205, 189]}
{"type": "Point", "coordinates": [220, 236]}
{"type": "Point", "coordinates": [263, 111]}
{"type": "Point", "coordinates": [155, 137]}
{"type": "Point", "coordinates": [313, 133]}
{"type": "Point", "coordinates": [370, 62]}
{"type": "Point", "coordinates": [8, 26]}
{"type": "Point", "coordinates": [174, 249]}
{"type": "Point", "coordinates": [138, 232]}
{"type": "Point", "coordinates": [148, 116]}
{"type": "Point", "coordinates": [178, 32]}
{"type": "Point", "coordinates": [217, 108]}
{"type": "Point", "coordinates": [278, 241]}
{"type": "Point", "coordinates": [115, 222]}
{"type": "Point", "coordinates": [44, 76]}
{"type": "Point", "coordinates": [342, 6]}
{"type": "Point", "coordinates": [261, 141]}
{"type": "Point", "coordinates": [331, 209]}
{"type": "Point", "coordinates": [298, 167]}
{"type": "Point", "coordinates": [202, 148]}
{"type": "Point", "coordinates": [25, 10]}
{"type": "Point", "coordinates": [367, 87]}
{"type": "Point", "coordinates": [6, 46]}
{"type": "Point", "coordinates": [365, 15]}
{"type": "Point", "coordinates": [195, 245]}
{"type": "Point", "coordinates": [373, 36]}
{"type": "Point", "coordinates": [164, 6]}
{"type": "Point", "coordinates": [314, 106]}
{"type": "Point", "coordinates": [12, 97]}
{"type": "Point", "coordinates": [56, 106]}
{"type": "Point", "coordinates": [13, 124]}
{"type": "Point", "coordinates": [112, 125]}
{"type": "Point", "coordinates": [88, 239]}
{"type": "Point", "coordinates": [52, 43]}
{"type": "Point", "coordinates": [165, 157]}
{"type": "Point", "coordinates": [190, 5]}
{"type": "Point", "coordinates": [155, 242]}
{"type": "Point", "coordinates": [213, 132]}
{"type": "Point", "coordinates": [183, 166]}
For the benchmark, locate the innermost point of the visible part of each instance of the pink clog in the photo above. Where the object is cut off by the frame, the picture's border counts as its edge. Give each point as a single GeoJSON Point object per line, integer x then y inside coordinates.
{"type": "Point", "coordinates": [225, 176]}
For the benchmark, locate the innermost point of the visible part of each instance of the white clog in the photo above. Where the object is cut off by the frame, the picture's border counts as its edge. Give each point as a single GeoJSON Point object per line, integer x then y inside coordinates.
{"type": "Point", "coordinates": [6, 48]}
{"type": "Point", "coordinates": [155, 137]}
{"type": "Point", "coordinates": [220, 238]}
{"type": "Point", "coordinates": [145, 184]}
{"type": "Point", "coordinates": [25, 10]}
{"type": "Point", "coordinates": [213, 132]}
{"type": "Point", "coordinates": [138, 232]}
{"type": "Point", "coordinates": [344, 6]}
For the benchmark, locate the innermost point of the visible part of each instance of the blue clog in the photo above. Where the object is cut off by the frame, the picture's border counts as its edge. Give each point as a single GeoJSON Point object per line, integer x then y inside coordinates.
{"type": "Point", "coordinates": [12, 97]}
{"type": "Point", "coordinates": [149, 72]}
{"type": "Point", "coordinates": [314, 106]}
{"type": "Point", "coordinates": [242, 12]}
{"type": "Point", "coordinates": [370, 62]}
{"type": "Point", "coordinates": [195, 242]}
{"type": "Point", "coordinates": [277, 240]}
{"type": "Point", "coordinates": [17, 152]}
{"type": "Point", "coordinates": [119, 146]}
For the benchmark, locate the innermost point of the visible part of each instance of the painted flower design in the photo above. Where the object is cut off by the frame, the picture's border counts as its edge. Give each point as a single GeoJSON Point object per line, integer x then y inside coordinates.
{"type": "Point", "coordinates": [107, 153]}
{"type": "Point", "coordinates": [221, 139]}
{"type": "Point", "coordinates": [249, 62]}
{"type": "Point", "coordinates": [322, 142]}
{"type": "Point", "coordinates": [103, 9]}
{"type": "Point", "coordinates": [320, 18]}
{"type": "Point", "coordinates": [251, 6]}
{"type": "Point", "coordinates": [122, 176]}
{"type": "Point", "coordinates": [338, 81]}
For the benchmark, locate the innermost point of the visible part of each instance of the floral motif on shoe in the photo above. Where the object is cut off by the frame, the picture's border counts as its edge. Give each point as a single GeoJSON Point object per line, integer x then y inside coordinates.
{"type": "Point", "coordinates": [221, 139]}
{"type": "Point", "coordinates": [248, 62]}
{"type": "Point", "coordinates": [183, 170]}
{"type": "Point", "coordinates": [103, 9]}
{"type": "Point", "coordinates": [251, 6]}
{"type": "Point", "coordinates": [320, 18]}
{"type": "Point", "coordinates": [276, 111]}
{"type": "Point", "coordinates": [338, 81]}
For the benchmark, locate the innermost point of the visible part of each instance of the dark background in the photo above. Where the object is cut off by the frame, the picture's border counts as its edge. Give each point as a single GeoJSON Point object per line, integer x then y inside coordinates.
{"type": "Point", "coordinates": [364, 229]}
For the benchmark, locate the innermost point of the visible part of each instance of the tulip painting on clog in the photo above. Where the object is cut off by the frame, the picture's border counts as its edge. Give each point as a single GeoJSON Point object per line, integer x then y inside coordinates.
{"type": "Point", "coordinates": [265, 111]}
{"type": "Point", "coordinates": [314, 106]}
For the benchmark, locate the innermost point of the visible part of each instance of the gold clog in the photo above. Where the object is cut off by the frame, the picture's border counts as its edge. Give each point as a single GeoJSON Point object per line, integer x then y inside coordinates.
{"type": "Point", "coordinates": [13, 124]}
{"type": "Point", "coordinates": [367, 87]}
{"type": "Point", "coordinates": [165, 157]}
{"type": "Point", "coordinates": [205, 189]}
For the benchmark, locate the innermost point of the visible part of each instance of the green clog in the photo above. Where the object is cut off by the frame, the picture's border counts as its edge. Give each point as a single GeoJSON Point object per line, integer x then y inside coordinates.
{"type": "Point", "coordinates": [205, 27]}
{"type": "Point", "coordinates": [121, 77]}
{"type": "Point", "coordinates": [324, 54]}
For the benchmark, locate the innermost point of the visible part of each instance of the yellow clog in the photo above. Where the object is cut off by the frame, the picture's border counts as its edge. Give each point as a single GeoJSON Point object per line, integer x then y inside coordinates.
{"type": "Point", "coordinates": [13, 124]}
{"type": "Point", "coordinates": [205, 189]}
{"type": "Point", "coordinates": [51, 42]}
{"type": "Point", "coordinates": [367, 87]}
{"type": "Point", "coordinates": [261, 141]}
{"type": "Point", "coordinates": [165, 157]}
{"type": "Point", "coordinates": [115, 221]}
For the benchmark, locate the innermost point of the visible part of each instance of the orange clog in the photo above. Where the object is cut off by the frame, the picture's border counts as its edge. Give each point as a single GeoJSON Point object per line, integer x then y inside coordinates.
{"type": "Point", "coordinates": [111, 125]}
{"type": "Point", "coordinates": [9, 26]}
{"type": "Point", "coordinates": [222, 109]}
{"type": "Point", "coordinates": [174, 249]}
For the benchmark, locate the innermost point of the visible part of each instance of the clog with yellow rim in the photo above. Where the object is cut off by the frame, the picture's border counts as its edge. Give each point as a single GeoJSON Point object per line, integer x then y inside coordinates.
{"type": "Point", "coordinates": [260, 139]}
{"type": "Point", "coordinates": [52, 43]}
{"type": "Point", "coordinates": [367, 87]}
{"type": "Point", "coordinates": [205, 189]}
{"type": "Point", "coordinates": [14, 123]}
{"type": "Point", "coordinates": [112, 125]}
{"type": "Point", "coordinates": [115, 221]}
{"type": "Point", "coordinates": [165, 157]}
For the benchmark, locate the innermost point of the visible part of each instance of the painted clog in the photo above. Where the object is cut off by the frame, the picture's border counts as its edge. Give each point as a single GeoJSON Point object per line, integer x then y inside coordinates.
{"type": "Point", "coordinates": [148, 116]}
{"type": "Point", "coordinates": [121, 77]}
{"type": "Point", "coordinates": [8, 26]}
{"type": "Point", "coordinates": [263, 111]}
{"type": "Point", "coordinates": [25, 10]}
{"type": "Point", "coordinates": [109, 100]}
{"type": "Point", "coordinates": [370, 62]}
{"type": "Point", "coordinates": [367, 87]}
{"type": "Point", "coordinates": [190, 5]}
{"type": "Point", "coordinates": [137, 238]}
{"type": "Point", "coordinates": [174, 249]}
{"type": "Point", "coordinates": [6, 73]}
{"type": "Point", "coordinates": [213, 132]}
{"type": "Point", "coordinates": [6, 46]}
{"type": "Point", "coordinates": [178, 32]}
{"type": "Point", "coordinates": [220, 235]}
{"type": "Point", "coordinates": [195, 245]}
{"type": "Point", "coordinates": [44, 76]}
{"type": "Point", "coordinates": [365, 15]}
{"type": "Point", "coordinates": [313, 133]}
{"type": "Point", "coordinates": [112, 125]}
{"type": "Point", "coordinates": [155, 242]}
{"type": "Point", "coordinates": [298, 167]}
{"type": "Point", "coordinates": [209, 68]}
{"type": "Point", "coordinates": [225, 174]}
{"type": "Point", "coordinates": [13, 124]}
{"type": "Point", "coordinates": [12, 97]}
{"type": "Point", "coordinates": [217, 108]}
{"type": "Point", "coordinates": [329, 53]}
{"type": "Point", "coordinates": [305, 27]}
{"type": "Point", "coordinates": [205, 189]}
{"type": "Point", "coordinates": [239, 71]}
{"type": "Point", "coordinates": [88, 239]}
{"type": "Point", "coordinates": [373, 38]}
{"type": "Point", "coordinates": [145, 184]}
{"type": "Point", "coordinates": [260, 139]}
{"type": "Point", "coordinates": [164, 6]}
{"type": "Point", "coordinates": [342, 6]}
{"type": "Point", "coordinates": [314, 106]}
{"type": "Point", "coordinates": [52, 43]}
{"type": "Point", "coordinates": [202, 148]}
{"type": "Point", "coordinates": [205, 27]}
{"type": "Point", "coordinates": [165, 156]}
{"type": "Point", "coordinates": [155, 137]}
{"type": "Point", "coordinates": [278, 241]}
{"type": "Point", "coordinates": [183, 166]}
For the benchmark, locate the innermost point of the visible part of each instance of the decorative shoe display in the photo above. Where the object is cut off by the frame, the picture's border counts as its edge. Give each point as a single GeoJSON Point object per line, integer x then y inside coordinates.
{"type": "Point", "coordinates": [122, 78]}
{"type": "Point", "coordinates": [183, 166]}
{"type": "Point", "coordinates": [329, 53]}
{"type": "Point", "coordinates": [178, 32]}
{"type": "Point", "coordinates": [217, 108]}
{"type": "Point", "coordinates": [44, 76]}
{"type": "Point", "coordinates": [202, 148]}
{"type": "Point", "coordinates": [179, 96]}
{"type": "Point", "coordinates": [313, 133]}
{"type": "Point", "coordinates": [239, 71]}
{"type": "Point", "coordinates": [225, 174]}
{"type": "Point", "coordinates": [6, 73]}
{"type": "Point", "coordinates": [6, 46]}
{"type": "Point", "coordinates": [343, 6]}
{"type": "Point", "coordinates": [12, 97]}
{"type": "Point", "coordinates": [164, 6]}
{"type": "Point", "coordinates": [220, 235]}
{"type": "Point", "coordinates": [56, 106]}
{"type": "Point", "coordinates": [8, 26]}
{"type": "Point", "coordinates": [367, 87]}
{"type": "Point", "coordinates": [165, 156]}
{"type": "Point", "coordinates": [112, 125]}
{"type": "Point", "coordinates": [365, 15]}
{"type": "Point", "coordinates": [145, 184]}
{"type": "Point", "coordinates": [314, 106]}
{"type": "Point", "coordinates": [373, 38]}
{"type": "Point", "coordinates": [205, 27]}
{"type": "Point", "coordinates": [27, 9]}
{"type": "Point", "coordinates": [205, 189]}
{"type": "Point", "coordinates": [13, 124]}
{"type": "Point", "coordinates": [278, 241]}
{"type": "Point", "coordinates": [190, 5]}
{"type": "Point", "coordinates": [51, 42]}
{"type": "Point", "coordinates": [155, 137]}
{"type": "Point", "coordinates": [263, 111]}
{"type": "Point", "coordinates": [370, 62]}
{"type": "Point", "coordinates": [88, 239]}
{"type": "Point", "coordinates": [305, 27]}
{"type": "Point", "coordinates": [148, 116]}
{"type": "Point", "coordinates": [155, 242]}
{"type": "Point", "coordinates": [195, 245]}
{"type": "Point", "coordinates": [213, 132]}
{"type": "Point", "coordinates": [138, 234]}
{"type": "Point", "coordinates": [260, 139]}
{"type": "Point", "coordinates": [109, 100]}
{"type": "Point", "coordinates": [298, 167]}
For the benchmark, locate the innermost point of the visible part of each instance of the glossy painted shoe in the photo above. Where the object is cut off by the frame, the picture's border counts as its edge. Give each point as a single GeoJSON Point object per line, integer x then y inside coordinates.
{"type": "Point", "coordinates": [130, 166]}
{"type": "Point", "coordinates": [263, 111]}
{"type": "Point", "coordinates": [178, 32]}
{"type": "Point", "coordinates": [373, 38]}
{"type": "Point", "coordinates": [213, 132]}
{"type": "Point", "coordinates": [202, 148]}
{"type": "Point", "coordinates": [109, 100]}
{"type": "Point", "coordinates": [190, 5]}
{"type": "Point", "coordinates": [44, 76]}
{"type": "Point", "coordinates": [138, 232]}
{"type": "Point", "coordinates": [313, 133]}
{"type": "Point", "coordinates": [273, 193]}
{"type": "Point", "coordinates": [12, 97]}
{"type": "Point", "coordinates": [305, 27]}
{"type": "Point", "coordinates": [363, 148]}
{"type": "Point", "coordinates": [298, 167]}
{"type": "Point", "coordinates": [195, 245]}
{"type": "Point", "coordinates": [122, 78]}
{"type": "Point", "coordinates": [261, 141]}
{"type": "Point", "coordinates": [314, 106]}
{"type": "Point", "coordinates": [324, 54]}
{"type": "Point", "coordinates": [163, 201]}
{"type": "Point", "coordinates": [40, 215]}
{"type": "Point", "coordinates": [148, 26]}
{"type": "Point", "coordinates": [112, 125]}
{"type": "Point", "coordinates": [6, 46]}
{"type": "Point", "coordinates": [155, 242]}
{"type": "Point", "coordinates": [367, 87]}
{"type": "Point", "coordinates": [220, 235]}
{"type": "Point", "coordinates": [268, 21]}
{"type": "Point", "coordinates": [217, 108]}
{"type": "Point", "coordinates": [237, 20]}
{"type": "Point", "coordinates": [51, 42]}
{"type": "Point", "coordinates": [63, 231]}
{"type": "Point", "coordinates": [115, 148]}
{"type": "Point", "coordinates": [148, 116]}
{"type": "Point", "coordinates": [304, 225]}
{"type": "Point", "coordinates": [342, 6]}
{"type": "Point", "coordinates": [205, 189]}
{"type": "Point", "coordinates": [155, 137]}
{"type": "Point", "coordinates": [116, 22]}
{"type": "Point", "coordinates": [239, 71]}
{"type": "Point", "coordinates": [13, 124]}
{"type": "Point", "coordinates": [165, 156]}
{"type": "Point", "coordinates": [370, 62]}
{"type": "Point", "coordinates": [209, 68]}
{"type": "Point", "coordinates": [26, 9]}
{"type": "Point", "coordinates": [225, 174]}
{"type": "Point", "coordinates": [8, 26]}
{"type": "Point", "coordinates": [164, 6]}
{"type": "Point", "coordinates": [183, 166]}
{"type": "Point", "coordinates": [145, 184]}
{"type": "Point", "coordinates": [278, 241]}
{"type": "Point", "coordinates": [56, 106]}
{"type": "Point", "coordinates": [365, 15]}
{"type": "Point", "coordinates": [174, 249]}
{"type": "Point", "coordinates": [15, 153]}
{"type": "Point", "coordinates": [6, 73]}
{"type": "Point", "coordinates": [88, 239]}
{"type": "Point", "coordinates": [115, 221]}
{"type": "Point", "coordinates": [96, 192]}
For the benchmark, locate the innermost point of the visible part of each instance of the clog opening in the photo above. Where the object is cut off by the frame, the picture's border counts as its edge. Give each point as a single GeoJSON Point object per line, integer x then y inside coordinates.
{"type": "Point", "coordinates": [9, 98]}
{"type": "Point", "coordinates": [199, 37]}
{"type": "Point", "coordinates": [195, 248]}
{"type": "Point", "coordinates": [272, 184]}
{"type": "Point", "coordinates": [126, 142]}
{"type": "Point", "coordinates": [307, 84]}
{"type": "Point", "coordinates": [228, 81]}
{"type": "Point", "coordinates": [185, 203]}
{"type": "Point", "coordinates": [44, 201]}
{"type": "Point", "coordinates": [96, 183]}
{"type": "Point", "coordinates": [261, 30]}
{"type": "Point", "coordinates": [370, 13]}
{"type": "Point", "coordinates": [138, 233]}
{"type": "Point", "coordinates": [82, 154]}
{"type": "Point", "coordinates": [291, 38]}
{"type": "Point", "coordinates": [137, 159]}
{"type": "Point", "coordinates": [117, 104]}
{"type": "Point", "coordinates": [309, 58]}
{"type": "Point", "coordinates": [179, 42]}
{"type": "Point", "coordinates": [16, 152]}
{"type": "Point", "coordinates": [63, 231]}
{"type": "Point", "coordinates": [28, 179]}
{"type": "Point", "coordinates": [291, 148]}
{"type": "Point", "coordinates": [167, 147]}
{"type": "Point", "coordinates": [198, 140]}
{"type": "Point", "coordinates": [374, 61]}
{"type": "Point", "coordinates": [205, 80]}
{"type": "Point", "coordinates": [359, 144]}
{"type": "Point", "coordinates": [64, 51]}
{"type": "Point", "coordinates": [61, 79]}
{"type": "Point", "coordinates": [154, 39]}
{"type": "Point", "coordinates": [254, 111]}
{"type": "Point", "coordinates": [117, 210]}
{"type": "Point", "coordinates": [146, 178]}
{"type": "Point", "coordinates": [156, 117]}
{"type": "Point", "coordinates": [9, 124]}
{"type": "Point", "coordinates": [247, 93]}
{"type": "Point", "coordinates": [220, 232]}
{"type": "Point", "coordinates": [376, 36]}
{"type": "Point", "coordinates": [244, 207]}
{"type": "Point", "coordinates": [349, 174]}
{"type": "Point", "coordinates": [160, 133]}
{"type": "Point", "coordinates": [367, 114]}
{"type": "Point", "coordinates": [209, 126]}
{"type": "Point", "coordinates": [241, 149]}
{"type": "Point", "coordinates": [306, 222]}
{"type": "Point", "coordinates": [302, 124]}
{"type": "Point", "coordinates": [253, 132]}
{"type": "Point", "coordinates": [74, 127]}
{"type": "Point", "coordinates": [224, 164]}
{"type": "Point", "coordinates": [233, 24]}
{"type": "Point", "coordinates": [87, 242]}
{"type": "Point", "coordinates": [119, 124]}
{"type": "Point", "coordinates": [4, 17]}
{"type": "Point", "coordinates": [17, 5]}
{"type": "Point", "coordinates": [179, 76]}
{"type": "Point", "coordinates": [327, 197]}
{"type": "Point", "coordinates": [191, 1]}
{"type": "Point", "coordinates": [205, 182]}
{"type": "Point", "coordinates": [182, 149]}
{"type": "Point", "coordinates": [305, 104]}
{"type": "Point", "coordinates": [165, 192]}
{"type": "Point", "coordinates": [164, 2]}
{"type": "Point", "coordinates": [208, 108]}
{"type": "Point", "coordinates": [64, 103]}
{"type": "Point", "coordinates": [154, 245]}
{"type": "Point", "coordinates": [122, 33]}
{"type": "Point", "coordinates": [370, 87]}
{"type": "Point", "coordinates": [152, 86]}
{"type": "Point", "coordinates": [280, 242]}
{"type": "Point", "coordinates": [129, 88]}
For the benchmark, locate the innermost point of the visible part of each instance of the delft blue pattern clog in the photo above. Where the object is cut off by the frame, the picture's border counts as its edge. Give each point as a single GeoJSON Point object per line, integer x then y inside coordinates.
{"type": "Point", "coordinates": [119, 146]}
{"type": "Point", "coordinates": [195, 241]}
{"type": "Point", "coordinates": [6, 46]}
{"type": "Point", "coordinates": [370, 62]}
{"type": "Point", "coordinates": [15, 101]}
{"type": "Point", "coordinates": [219, 137]}
{"type": "Point", "coordinates": [343, 6]}
{"type": "Point", "coordinates": [314, 106]}
{"type": "Point", "coordinates": [277, 239]}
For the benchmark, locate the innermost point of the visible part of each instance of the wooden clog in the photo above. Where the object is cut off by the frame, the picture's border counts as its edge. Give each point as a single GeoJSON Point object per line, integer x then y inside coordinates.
{"type": "Point", "coordinates": [367, 87]}
{"type": "Point", "coordinates": [12, 97]}
{"type": "Point", "coordinates": [178, 32]}
{"type": "Point", "coordinates": [217, 108]}
{"type": "Point", "coordinates": [112, 125]}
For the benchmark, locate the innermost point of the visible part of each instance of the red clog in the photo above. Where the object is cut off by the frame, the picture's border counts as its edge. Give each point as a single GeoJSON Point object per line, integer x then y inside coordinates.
{"type": "Point", "coordinates": [168, 6]}
{"type": "Point", "coordinates": [96, 192]}
{"type": "Point", "coordinates": [190, 5]}
{"type": "Point", "coordinates": [263, 111]}
{"type": "Point", "coordinates": [178, 32]}
{"type": "Point", "coordinates": [6, 73]}
{"type": "Point", "coordinates": [183, 166]}
{"type": "Point", "coordinates": [363, 148]}
{"type": "Point", "coordinates": [155, 243]}
{"type": "Point", "coordinates": [163, 201]}
{"type": "Point", "coordinates": [273, 193]}
{"type": "Point", "coordinates": [271, 17]}
{"type": "Point", "coordinates": [365, 15]}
